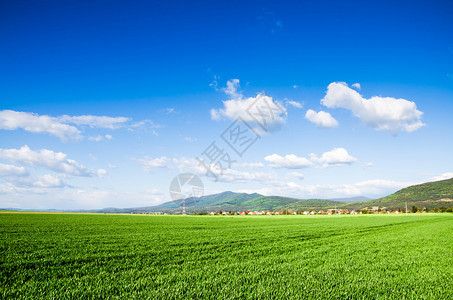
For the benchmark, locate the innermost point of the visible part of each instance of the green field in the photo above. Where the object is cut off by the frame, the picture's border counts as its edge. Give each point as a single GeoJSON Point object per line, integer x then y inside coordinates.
{"type": "Point", "coordinates": [326, 257]}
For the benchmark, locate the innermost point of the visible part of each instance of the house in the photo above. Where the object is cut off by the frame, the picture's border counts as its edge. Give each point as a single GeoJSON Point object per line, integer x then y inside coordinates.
{"type": "Point", "coordinates": [306, 212]}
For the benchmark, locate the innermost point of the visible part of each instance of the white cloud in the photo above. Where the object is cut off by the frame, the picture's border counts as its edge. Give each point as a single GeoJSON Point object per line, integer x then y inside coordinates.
{"type": "Point", "coordinates": [295, 86]}
{"type": "Point", "coordinates": [380, 113]}
{"type": "Point", "coordinates": [95, 121]}
{"type": "Point", "coordinates": [58, 126]}
{"type": "Point", "coordinates": [20, 179]}
{"type": "Point", "coordinates": [442, 176]}
{"type": "Point", "coordinates": [232, 89]}
{"type": "Point", "coordinates": [260, 110]}
{"type": "Point", "coordinates": [367, 165]}
{"type": "Point", "coordinates": [148, 163]}
{"type": "Point", "coordinates": [372, 188]}
{"type": "Point", "coordinates": [356, 86]}
{"type": "Point", "coordinates": [334, 157]}
{"type": "Point", "coordinates": [49, 181]}
{"type": "Point", "coordinates": [290, 161]}
{"type": "Point", "coordinates": [10, 170]}
{"type": "Point", "coordinates": [295, 104]}
{"type": "Point", "coordinates": [247, 165]}
{"type": "Point", "coordinates": [12, 120]}
{"type": "Point", "coordinates": [296, 174]}
{"type": "Point", "coordinates": [192, 165]}
{"type": "Point", "coordinates": [100, 138]}
{"type": "Point", "coordinates": [101, 173]}
{"type": "Point", "coordinates": [322, 119]}
{"type": "Point", "coordinates": [215, 115]}
{"type": "Point", "coordinates": [144, 124]}
{"type": "Point", "coordinates": [231, 175]}
{"type": "Point", "coordinates": [55, 161]}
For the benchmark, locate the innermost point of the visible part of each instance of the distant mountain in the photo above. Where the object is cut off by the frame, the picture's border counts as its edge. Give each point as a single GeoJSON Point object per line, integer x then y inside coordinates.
{"type": "Point", "coordinates": [430, 195]}
{"type": "Point", "coordinates": [230, 201]}
{"type": "Point", "coordinates": [224, 199]}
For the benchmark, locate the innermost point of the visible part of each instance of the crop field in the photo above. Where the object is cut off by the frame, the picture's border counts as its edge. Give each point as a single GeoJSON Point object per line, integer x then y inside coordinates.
{"type": "Point", "coordinates": [219, 257]}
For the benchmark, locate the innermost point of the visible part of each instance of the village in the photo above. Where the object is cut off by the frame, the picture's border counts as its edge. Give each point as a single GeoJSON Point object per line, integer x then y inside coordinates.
{"type": "Point", "coordinates": [311, 212]}
{"type": "Point", "coordinates": [373, 210]}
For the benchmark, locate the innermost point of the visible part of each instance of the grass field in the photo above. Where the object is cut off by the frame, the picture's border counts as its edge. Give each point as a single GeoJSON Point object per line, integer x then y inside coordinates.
{"type": "Point", "coordinates": [326, 257]}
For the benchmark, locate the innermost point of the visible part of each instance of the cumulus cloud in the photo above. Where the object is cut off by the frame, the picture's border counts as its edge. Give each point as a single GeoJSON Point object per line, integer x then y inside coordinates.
{"type": "Point", "coordinates": [18, 179]}
{"type": "Point", "coordinates": [10, 170]}
{"type": "Point", "coordinates": [442, 176]}
{"type": "Point", "coordinates": [12, 120]}
{"type": "Point", "coordinates": [290, 161]}
{"type": "Point", "coordinates": [49, 181]}
{"type": "Point", "coordinates": [294, 104]}
{"type": "Point", "coordinates": [380, 113]}
{"type": "Point", "coordinates": [55, 161]}
{"type": "Point", "coordinates": [59, 126]}
{"type": "Point", "coordinates": [334, 157]}
{"type": "Point", "coordinates": [262, 112]}
{"type": "Point", "coordinates": [322, 119]}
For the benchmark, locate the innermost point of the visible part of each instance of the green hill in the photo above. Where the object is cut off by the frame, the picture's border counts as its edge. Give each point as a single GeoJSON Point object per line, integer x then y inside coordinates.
{"type": "Point", "coordinates": [430, 195]}
{"type": "Point", "coordinates": [230, 201]}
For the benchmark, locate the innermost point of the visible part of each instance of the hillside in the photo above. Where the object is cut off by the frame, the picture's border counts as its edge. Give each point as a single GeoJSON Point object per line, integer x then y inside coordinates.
{"type": "Point", "coordinates": [430, 195]}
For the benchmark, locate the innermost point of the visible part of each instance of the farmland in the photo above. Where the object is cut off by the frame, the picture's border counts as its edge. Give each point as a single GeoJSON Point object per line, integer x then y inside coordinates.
{"type": "Point", "coordinates": [126, 256]}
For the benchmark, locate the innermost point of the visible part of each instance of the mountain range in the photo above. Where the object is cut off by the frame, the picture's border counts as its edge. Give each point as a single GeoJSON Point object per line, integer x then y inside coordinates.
{"type": "Point", "coordinates": [430, 195]}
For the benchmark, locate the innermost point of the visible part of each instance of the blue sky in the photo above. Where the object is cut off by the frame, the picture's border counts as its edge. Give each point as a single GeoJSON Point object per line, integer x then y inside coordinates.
{"type": "Point", "coordinates": [103, 103]}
